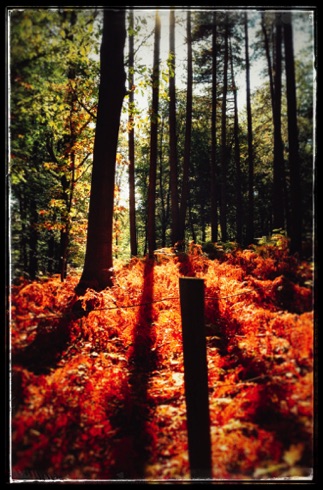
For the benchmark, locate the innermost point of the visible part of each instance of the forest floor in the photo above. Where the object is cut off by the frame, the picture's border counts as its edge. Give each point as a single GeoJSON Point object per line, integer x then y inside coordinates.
{"type": "Point", "coordinates": [98, 381]}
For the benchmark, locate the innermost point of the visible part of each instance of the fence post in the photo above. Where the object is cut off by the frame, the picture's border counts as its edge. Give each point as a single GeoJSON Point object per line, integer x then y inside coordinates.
{"type": "Point", "coordinates": [196, 376]}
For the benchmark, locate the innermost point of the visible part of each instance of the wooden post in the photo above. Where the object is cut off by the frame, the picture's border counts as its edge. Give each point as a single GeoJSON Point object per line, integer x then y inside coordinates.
{"type": "Point", "coordinates": [196, 376]}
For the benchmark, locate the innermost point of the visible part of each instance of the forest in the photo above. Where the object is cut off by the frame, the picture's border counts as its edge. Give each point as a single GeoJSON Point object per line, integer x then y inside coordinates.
{"type": "Point", "coordinates": [144, 146]}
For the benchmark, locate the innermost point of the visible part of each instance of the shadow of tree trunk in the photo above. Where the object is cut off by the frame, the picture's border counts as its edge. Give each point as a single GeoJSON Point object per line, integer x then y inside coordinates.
{"type": "Point", "coordinates": [134, 439]}
{"type": "Point", "coordinates": [52, 338]}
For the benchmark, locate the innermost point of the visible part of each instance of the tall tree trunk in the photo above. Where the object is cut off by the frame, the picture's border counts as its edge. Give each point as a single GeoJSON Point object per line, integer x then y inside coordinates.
{"type": "Point", "coordinates": [33, 240]}
{"type": "Point", "coordinates": [162, 188]}
{"type": "Point", "coordinates": [188, 130]}
{"type": "Point", "coordinates": [173, 163]}
{"type": "Point", "coordinates": [214, 184]}
{"type": "Point", "coordinates": [294, 161]}
{"type": "Point", "coordinates": [51, 253]}
{"type": "Point", "coordinates": [153, 143]}
{"type": "Point", "coordinates": [239, 201]}
{"type": "Point", "coordinates": [224, 149]}
{"type": "Point", "coordinates": [97, 271]}
{"type": "Point", "coordinates": [278, 181]}
{"type": "Point", "coordinates": [131, 144]}
{"type": "Point", "coordinates": [250, 218]}
{"type": "Point", "coordinates": [68, 183]}
{"type": "Point", "coordinates": [67, 193]}
{"type": "Point", "coordinates": [269, 62]}
{"type": "Point", "coordinates": [191, 222]}
{"type": "Point", "coordinates": [23, 255]}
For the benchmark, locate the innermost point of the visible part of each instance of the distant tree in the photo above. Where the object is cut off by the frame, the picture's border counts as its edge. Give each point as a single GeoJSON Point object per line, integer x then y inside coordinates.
{"type": "Point", "coordinates": [237, 158]}
{"type": "Point", "coordinates": [224, 147]}
{"type": "Point", "coordinates": [97, 271]}
{"type": "Point", "coordinates": [250, 207]}
{"type": "Point", "coordinates": [188, 130]}
{"type": "Point", "coordinates": [214, 173]}
{"type": "Point", "coordinates": [151, 224]}
{"type": "Point", "coordinates": [173, 160]}
{"type": "Point", "coordinates": [278, 168]}
{"type": "Point", "coordinates": [163, 206]}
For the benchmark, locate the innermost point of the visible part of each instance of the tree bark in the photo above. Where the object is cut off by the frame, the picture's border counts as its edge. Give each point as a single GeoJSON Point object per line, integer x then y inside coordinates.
{"type": "Point", "coordinates": [153, 143]}
{"type": "Point", "coordinates": [97, 271]}
{"type": "Point", "coordinates": [173, 163]}
{"type": "Point", "coordinates": [214, 184]}
{"type": "Point", "coordinates": [269, 62]}
{"type": "Point", "coordinates": [294, 161]}
{"type": "Point", "coordinates": [250, 218]}
{"type": "Point", "coordinates": [224, 149]}
{"type": "Point", "coordinates": [239, 201]}
{"type": "Point", "coordinates": [163, 188]}
{"type": "Point", "coordinates": [131, 144]}
{"type": "Point", "coordinates": [278, 181]}
{"type": "Point", "coordinates": [188, 130]}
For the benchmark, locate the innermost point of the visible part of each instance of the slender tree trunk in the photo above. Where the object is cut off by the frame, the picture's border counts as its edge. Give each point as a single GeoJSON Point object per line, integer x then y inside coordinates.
{"type": "Point", "coordinates": [214, 184]}
{"type": "Point", "coordinates": [131, 144]}
{"type": "Point", "coordinates": [250, 217]}
{"type": "Point", "coordinates": [51, 253]}
{"type": "Point", "coordinates": [224, 150]}
{"type": "Point", "coordinates": [162, 187]}
{"type": "Point", "coordinates": [278, 184]}
{"type": "Point", "coordinates": [68, 181]}
{"type": "Point", "coordinates": [188, 130]}
{"type": "Point", "coordinates": [269, 62]}
{"type": "Point", "coordinates": [33, 241]}
{"type": "Point", "coordinates": [23, 235]}
{"type": "Point", "coordinates": [173, 163]}
{"type": "Point", "coordinates": [67, 192]}
{"type": "Point", "coordinates": [239, 201]}
{"type": "Point", "coordinates": [294, 161]}
{"type": "Point", "coordinates": [97, 272]}
{"type": "Point", "coordinates": [191, 221]}
{"type": "Point", "coordinates": [153, 143]}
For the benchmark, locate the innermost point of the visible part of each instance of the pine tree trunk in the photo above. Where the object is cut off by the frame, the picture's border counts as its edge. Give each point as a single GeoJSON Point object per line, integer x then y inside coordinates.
{"type": "Point", "coordinates": [239, 201]}
{"type": "Point", "coordinates": [224, 149]}
{"type": "Point", "coordinates": [68, 181]}
{"type": "Point", "coordinates": [131, 145]}
{"type": "Point", "coordinates": [268, 57]}
{"type": "Point", "coordinates": [214, 184]}
{"type": "Point", "coordinates": [250, 216]}
{"type": "Point", "coordinates": [164, 199]}
{"type": "Point", "coordinates": [278, 174]}
{"type": "Point", "coordinates": [294, 161]}
{"type": "Point", "coordinates": [151, 232]}
{"type": "Point", "coordinates": [173, 164]}
{"type": "Point", "coordinates": [97, 272]}
{"type": "Point", "coordinates": [188, 130]}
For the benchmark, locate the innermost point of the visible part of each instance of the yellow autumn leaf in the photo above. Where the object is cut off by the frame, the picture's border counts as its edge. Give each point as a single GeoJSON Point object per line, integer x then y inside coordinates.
{"type": "Point", "coordinates": [294, 454]}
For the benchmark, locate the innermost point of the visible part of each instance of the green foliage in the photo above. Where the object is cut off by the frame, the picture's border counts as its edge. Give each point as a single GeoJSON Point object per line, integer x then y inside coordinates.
{"type": "Point", "coordinates": [273, 244]}
{"type": "Point", "coordinates": [53, 98]}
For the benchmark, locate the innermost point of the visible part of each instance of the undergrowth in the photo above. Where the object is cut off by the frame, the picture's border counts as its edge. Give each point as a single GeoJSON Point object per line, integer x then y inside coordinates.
{"type": "Point", "coordinates": [98, 393]}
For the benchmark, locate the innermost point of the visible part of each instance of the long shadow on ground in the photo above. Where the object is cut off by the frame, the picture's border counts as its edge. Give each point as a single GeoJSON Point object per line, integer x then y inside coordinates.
{"type": "Point", "coordinates": [52, 338]}
{"type": "Point", "coordinates": [134, 441]}
{"type": "Point", "coordinates": [289, 428]}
